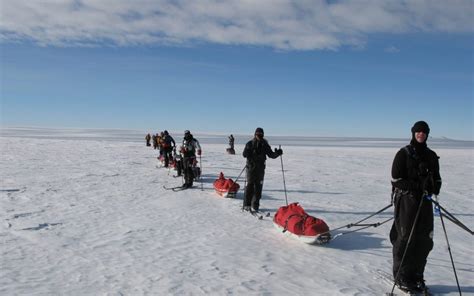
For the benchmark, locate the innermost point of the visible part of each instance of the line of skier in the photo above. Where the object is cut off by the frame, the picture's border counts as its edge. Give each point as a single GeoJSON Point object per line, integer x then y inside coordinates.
{"type": "Point", "coordinates": [184, 160]}
{"type": "Point", "coordinates": [415, 175]}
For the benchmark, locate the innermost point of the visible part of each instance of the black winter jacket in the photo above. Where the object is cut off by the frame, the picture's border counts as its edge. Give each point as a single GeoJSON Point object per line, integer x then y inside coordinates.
{"type": "Point", "coordinates": [416, 171]}
{"type": "Point", "coordinates": [256, 153]}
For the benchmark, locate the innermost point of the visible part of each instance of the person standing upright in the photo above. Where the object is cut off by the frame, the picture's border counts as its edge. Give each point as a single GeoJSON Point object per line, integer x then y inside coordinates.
{"type": "Point", "coordinates": [231, 142]}
{"type": "Point", "coordinates": [147, 139]}
{"type": "Point", "coordinates": [256, 152]}
{"type": "Point", "coordinates": [189, 149]}
{"type": "Point", "coordinates": [155, 141]}
{"type": "Point", "coordinates": [231, 149]}
{"type": "Point", "coordinates": [168, 145]}
{"type": "Point", "coordinates": [415, 174]}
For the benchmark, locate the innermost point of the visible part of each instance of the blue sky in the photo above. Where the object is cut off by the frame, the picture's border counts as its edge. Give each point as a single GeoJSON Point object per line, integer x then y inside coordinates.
{"type": "Point", "coordinates": [238, 66]}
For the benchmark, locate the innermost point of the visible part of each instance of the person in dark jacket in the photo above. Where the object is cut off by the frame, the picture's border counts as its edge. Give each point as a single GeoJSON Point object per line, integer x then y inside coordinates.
{"type": "Point", "coordinates": [147, 139]}
{"type": "Point", "coordinates": [189, 149]}
{"type": "Point", "coordinates": [155, 141]}
{"type": "Point", "coordinates": [231, 149]}
{"type": "Point", "coordinates": [231, 142]}
{"type": "Point", "coordinates": [168, 145]}
{"type": "Point", "coordinates": [415, 174]}
{"type": "Point", "coordinates": [256, 152]}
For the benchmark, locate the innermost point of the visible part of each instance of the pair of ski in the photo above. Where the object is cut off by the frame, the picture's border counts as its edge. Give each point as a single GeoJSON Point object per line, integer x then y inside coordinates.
{"type": "Point", "coordinates": [388, 278]}
{"type": "Point", "coordinates": [257, 214]}
{"type": "Point", "coordinates": [177, 188]}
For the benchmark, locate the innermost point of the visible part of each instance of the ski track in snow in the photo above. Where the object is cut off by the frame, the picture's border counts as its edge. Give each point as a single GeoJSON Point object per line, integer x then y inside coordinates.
{"type": "Point", "coordinates": [91, 218]}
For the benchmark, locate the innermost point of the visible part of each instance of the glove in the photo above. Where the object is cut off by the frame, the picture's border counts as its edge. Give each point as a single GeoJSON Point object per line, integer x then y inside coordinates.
{"type": "Point", "coordinates": [278, 151]}
{"type": "Point", "coordinates": [182, 150]}
{"type": "Point", "coordinates": [199, 152]}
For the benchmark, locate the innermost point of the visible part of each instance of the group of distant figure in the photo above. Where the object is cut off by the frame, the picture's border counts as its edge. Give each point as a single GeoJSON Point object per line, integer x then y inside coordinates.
{"type": "Point", "coordinates": [184, 160]}
{"type": "Point", "coordinates": [164, 142]}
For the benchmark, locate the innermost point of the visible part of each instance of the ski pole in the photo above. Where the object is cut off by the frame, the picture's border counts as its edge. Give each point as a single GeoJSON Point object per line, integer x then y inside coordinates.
{"type": "Point", "coordinates": [200, 174]}
{"type": "Point", "coordinates": [283, 173]}
{"type": "Point", "coordinates": [245, 181]}
{"type": "Point", "coordinates": [183, 179]}
{"type": "Point", "coordinates": [437, 210]}
{"type": "Point", "coordinates": [450, 216]}
{"type": "Point", "coordinates": [406, 247]}
{"type": "Point", "coordinates": [169, 166]}
{"type": "Point", "coordinates": [449, 250]}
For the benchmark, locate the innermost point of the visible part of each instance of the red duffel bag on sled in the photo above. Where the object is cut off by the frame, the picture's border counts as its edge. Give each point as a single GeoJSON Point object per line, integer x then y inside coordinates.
{"type": "Point", "coordinates": [294, 221]}
{"type": "Point", "coordinates": [226, 187]}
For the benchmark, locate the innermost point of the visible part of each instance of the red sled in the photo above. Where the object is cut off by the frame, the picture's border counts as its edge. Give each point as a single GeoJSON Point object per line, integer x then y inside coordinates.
{"type": "Point", "coordinates": [292, 220]}
{"type": "Point", "coordinates": [226, 187]}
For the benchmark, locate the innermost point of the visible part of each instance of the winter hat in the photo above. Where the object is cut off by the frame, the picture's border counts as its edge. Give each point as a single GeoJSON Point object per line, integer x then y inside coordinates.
{"type": "Point", "coordinates": [420, 126]}
{"type": "Point", "coordinates": [259, 130]}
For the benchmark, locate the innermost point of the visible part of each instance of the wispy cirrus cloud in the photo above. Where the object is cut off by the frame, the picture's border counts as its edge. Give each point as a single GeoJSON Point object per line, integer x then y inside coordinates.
{"type": "Point", "coordinates": [392, 49]}
{"type": "Point", "coordinates": [280, 24]}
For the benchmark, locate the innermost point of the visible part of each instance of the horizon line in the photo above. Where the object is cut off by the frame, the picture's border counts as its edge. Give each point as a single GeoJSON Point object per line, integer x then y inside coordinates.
{"type": "Point", "coordinates": [214, 133]}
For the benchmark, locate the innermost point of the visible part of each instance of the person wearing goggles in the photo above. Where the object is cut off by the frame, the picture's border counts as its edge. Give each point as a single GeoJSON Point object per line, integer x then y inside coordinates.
{"type": "Point", "coordinates": [415, 175]}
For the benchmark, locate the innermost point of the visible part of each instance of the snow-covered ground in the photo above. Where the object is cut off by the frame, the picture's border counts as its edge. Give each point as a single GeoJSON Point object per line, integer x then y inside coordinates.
{"type": "Point", "coordinates": [91, 217]}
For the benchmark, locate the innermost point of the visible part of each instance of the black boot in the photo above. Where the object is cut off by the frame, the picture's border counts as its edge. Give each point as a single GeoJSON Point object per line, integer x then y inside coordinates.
{"type": "Point", "coordinates": [408, 286]}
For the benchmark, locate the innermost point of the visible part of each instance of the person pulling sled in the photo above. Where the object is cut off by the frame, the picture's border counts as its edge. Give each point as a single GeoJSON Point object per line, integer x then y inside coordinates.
{"type": "Point", "coordinates": [256, 152]}
{"type": "Point", "coordinates": [147, 139]}
{"type": "Point", "coordinates": [189, 149]}
{"type": "Point", "coordinates": [155, 141]}
{"type": "Point", "coordinates": [177, 162]}
{"type": "Point", "coordinates": [231, 149]}
{"type": "Point", "coordinates": [168, 145]}
{"type": "Point", "coordinates": [415, 175]}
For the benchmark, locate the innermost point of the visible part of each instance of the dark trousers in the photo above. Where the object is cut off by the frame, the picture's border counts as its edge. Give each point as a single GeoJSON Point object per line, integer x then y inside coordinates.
{"type": "Point", "coordinates": [167, 154]}
{"type": "Point", "coordinates": [406, 206]}
{"type": "Point", "coordinates": [253, 191]}
{"type": "Point", "coordinates": [179, 167]}
{"type": "Point", "coordinates": [188, 170]}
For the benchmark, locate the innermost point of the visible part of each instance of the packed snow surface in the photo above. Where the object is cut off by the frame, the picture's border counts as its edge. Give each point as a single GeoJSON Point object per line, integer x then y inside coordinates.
{"type": "Point", "coordinates": [89, 216]}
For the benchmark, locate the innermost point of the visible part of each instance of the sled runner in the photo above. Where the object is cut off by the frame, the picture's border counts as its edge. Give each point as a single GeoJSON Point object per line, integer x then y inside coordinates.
{"type": "Point", "coordinates": [292, 220]}
{"type": "Point", "coordinates": [226, 187]}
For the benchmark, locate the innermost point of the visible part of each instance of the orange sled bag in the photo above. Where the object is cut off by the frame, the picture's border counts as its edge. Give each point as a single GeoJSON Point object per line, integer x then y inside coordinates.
{"type": "Point", "coordinates": [294, 221]}
{"type": "Point", "coordinates": [226, 187]}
